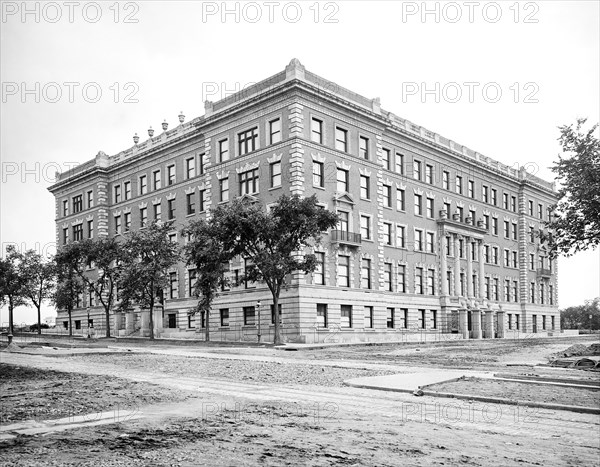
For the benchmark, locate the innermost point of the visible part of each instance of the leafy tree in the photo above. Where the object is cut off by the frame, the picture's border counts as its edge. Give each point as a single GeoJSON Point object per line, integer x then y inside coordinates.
{"type": "Point", "coordinates": [148, 255]}
{"type": "Point", "coordinates": [576, 223]}
{"type": "Point", "coordinates": [275, 240]}
{"type": "Point", "coordinates": [578, 317]}
{"type": "Point", "coordinates": [68, 284]}
{"type": "Point", "coordinates": [106, 255]}
{"type": "Point", "coordinates": [207, 252]}
{"type": "Point", "coordinates": [39, 277]}
{"type": "Point", "coordinates": [12, 285]}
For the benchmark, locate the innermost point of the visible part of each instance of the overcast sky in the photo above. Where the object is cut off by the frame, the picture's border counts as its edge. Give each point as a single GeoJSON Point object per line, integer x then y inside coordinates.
{"type": "Point", "coordinates": [496, 77]}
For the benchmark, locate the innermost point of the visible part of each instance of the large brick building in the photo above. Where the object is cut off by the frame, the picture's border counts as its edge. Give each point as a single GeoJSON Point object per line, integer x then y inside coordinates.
{"type": "Point", "coordinates": [434, 237]}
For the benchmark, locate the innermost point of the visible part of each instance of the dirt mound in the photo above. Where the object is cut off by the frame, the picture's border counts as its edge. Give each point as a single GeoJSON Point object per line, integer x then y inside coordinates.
{"type": "Point", "coordinates": [578, 350]}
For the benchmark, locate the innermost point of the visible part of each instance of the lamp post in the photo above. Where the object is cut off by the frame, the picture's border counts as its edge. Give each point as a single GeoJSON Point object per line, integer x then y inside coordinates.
{"type": "Point", "coordinates": [258, 318]}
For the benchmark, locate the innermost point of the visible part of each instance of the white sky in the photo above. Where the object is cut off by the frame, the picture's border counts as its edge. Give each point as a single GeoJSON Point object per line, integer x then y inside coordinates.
{"type": "Point", "coordinates": [174, 56]}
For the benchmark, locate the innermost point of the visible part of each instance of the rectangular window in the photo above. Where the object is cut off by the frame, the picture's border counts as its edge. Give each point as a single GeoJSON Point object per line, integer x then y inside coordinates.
{"type": "Point", "coordinates": [117, 225]}
{"type": "Point", "coordinates": [173, 285]}
{"type": "Point", "coordinates": [429, 174]}
{"type": "Point", "coordinates": [506, 258]}
{"type": "Point", "coordinates": [402, 278]}
{"type": "Point", "coordinates": [90, 199]}
{"type": "Point", "coordinates": [201, 206]}
{"type": "Point", "coordinates": [430, 208]}
{"type": "Point", "coordinates": [318, 174]}
{"type": "Point", "coordinates": [192, 278]}
{"type": "Point", "coordinates": [363, 147]}
{"type": "Point", "coordinates": [316, 130]}
{"type": "Point", "coordinates": [446, 180]}
{"type": "Point", "coordinates": [506, 229]}
{"type": "Point", "coordinates": [430, 242]}
{"type": "Point", "coordinates": [275, 169]}
{"type": "Point", "coordinates": [249, 182]}
{"type": "Point", "coordinates": [417, 170]}
{"type": "Point", "coordinates": [117, 193]}
{"type": "Point", "coordinates": [387, 276]}
{"type": "Point", "coordinates": [143, 184]}
{"type": "Point", "coordinates": [488, 291]}
{"type": "Point", "coordinates": [517, 316]}
{"type": "Point", "coordinates": [156, 179]}
{"type": "Point", "coordinates": [192, 322]}
{"type": "Point", "coordinates": [400, 199]}
{"type": "Point", "coordinates": [346, 316]}
{"type": "Point", "coordinates": [90, 229]}
{"type": "Point", "coordinates": [343, 271]}
{"type": "Point", "coordinates": [513, 203]}
{"type": "Point", "coordinates": [78, 232]}
{"type": "Point", "coordinates": [530, 207]}
{"type": "Point", "coordinates": [387, 233]}
{"type": "Point", "coordinates": [275, 131]}
{"type": "Point", "coordinates": [190, 202]}
{"type": "Point", "coordinates": [509, 318]}
{"type": "Point", "coordinates": [422, 319]}
{"type": "Point", "coordinates": [419, 281]}
{"type": "Point", "coordinates": [540, 211]}
{"type": "Point", "coordinates": [400, 236]}
{"type": "Point", "coordinates": [486, 221]}
{"type": "Point", "coordinates": [542, 293]}
{"type": "Point", "coordinates": [495, 225]}
{"type": "Point", "coordinates": [319, 272]}
{"type": "Point", "coordinates": [400, 163]}
{"type": "Point", "coordinates": [77, 204]}
{"type": "Point", "coordinates": [551, 299]}
{"type": "Point", "coordinates": [459, 185]}
{"type": "Point", "coordinates": [485, 194]}
{"type": "Point", "coordinates": [532, 292]}
{"type": "Point", "coordinates": [514, 230]}
{"type": "Point", "coordinates": [433, 319]}
{"type": "Point", "coordinates": [171, 209]}
{"type": "Point", "coordinates": [157, 212]}
{"type": "Point", "coordinates": [431, 281]}
{"type": "Point", "coordinates": [321, 315]}
{"type": "Point", "coordinates": [387, 196]}
{"type": "Point", "coordinates": [368, 317]}
{"type": "Point", "coordinates": [365, 274]}
{"type": "Point", "coordinates": [505, 201]}
{"type": "Point", "coordinates": [247, 141]}
{"type": "Point", "coordinates": [494, 196]}
{"type": "Point", "coordinates": [127, 221]}
{"type": "Point", "coordinates": [532, 261]}
{"type": "Point", "coordinates": [344, 223]}
{"type": "Point", "coordinates": [507, 290]}
{"type": "Point", "coordinates": [127, 190]}
{"type": "Point", "coordinates": [224, 189]}
{"type": "Point", "coordinates": [342, 180]}
{"type": "Point", "coordinates": [514, 259]}
{"type": "Point", "coordinates": [365, 227]}
{"type": "Point", "coordinates": [418, 240]}
{"type": "Point", "coordinates": [143, 217]}
{"type": "Point", "coordinates": [386, 158]}
{"type": "Point", "coordinates": [390, 318]}
{"type": "Point", "coordinates": [495, 254]}
{"type": "Point", "coordinates": [224, 150]}
{"type": "Point", "coordinates": [471, 188]}
{"type": "Point", "coordinates": [418, 205]}
{"type": "Point", "coordinates": [365, 189]}
{"type": "Point", "coordinates": [249, 316]}
{"type": "Point", "coordinates": [341, 139]}
{"type": "Point", "coordinates": [201, 162]}
{"type": "Point", "coordinates": [515, 293]}
{"type": "Point", "coordinates": [190, 168]}
{"type": "Point", "coordinates": [224, 315]}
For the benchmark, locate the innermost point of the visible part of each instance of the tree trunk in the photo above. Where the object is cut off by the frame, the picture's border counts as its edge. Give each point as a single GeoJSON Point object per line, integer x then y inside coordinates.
{"type": "Point", "coordinates": [277, 339]}
{"type": "Point", "coordinates": [207, 327]}
{"type": "Point", "coordinates": [39, 319]}
{"type": "Point", "coordinates": [151, 320]}
{"type": "Point", "coordinates": [70, 311]}
{"type": "Point", "coordinates": [11, 328]}
{"type": "Point", "coordinates": [107, 312]}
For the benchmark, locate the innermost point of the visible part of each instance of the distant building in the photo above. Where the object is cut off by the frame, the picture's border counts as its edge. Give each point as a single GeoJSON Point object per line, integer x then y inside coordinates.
{"type": "Point", "coordinates": [50, 321]}
{"type": "Point", "coordinates": [434, 237]}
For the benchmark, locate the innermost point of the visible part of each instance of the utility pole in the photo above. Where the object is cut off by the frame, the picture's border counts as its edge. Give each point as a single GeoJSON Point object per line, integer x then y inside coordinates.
{"type": "Point", "coordinates": [258, 318]}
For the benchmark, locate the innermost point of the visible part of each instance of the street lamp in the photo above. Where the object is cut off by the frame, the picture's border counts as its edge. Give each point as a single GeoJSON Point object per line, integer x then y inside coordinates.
{"type": "Point", "coordinates": [258, 318]}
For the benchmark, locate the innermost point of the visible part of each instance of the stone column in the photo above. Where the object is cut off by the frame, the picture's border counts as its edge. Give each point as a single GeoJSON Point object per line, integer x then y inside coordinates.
{"type": "Point", "coordinates": [129, 320]}
{"type": "Point", "coordinates": [463, 324]}
{"type": "Point", "coordinates": [145, 323]}
{"type": "Point", "coordinates": [500, 316]}
{"type": "Point", "coordinates": [158, 320]}
{"type": "Point", "coordinates": [444, 266]}
{"type": "Point", "coordinates": [476, 322]}
{"type": "Point", "coordinates": [469, 278]}
{"type": "Point", "coordinates": [489, 324]}
{"type": "Point", "coordinates": [481, 271]}
{"type": "Point", "coordinates": [456, 267]}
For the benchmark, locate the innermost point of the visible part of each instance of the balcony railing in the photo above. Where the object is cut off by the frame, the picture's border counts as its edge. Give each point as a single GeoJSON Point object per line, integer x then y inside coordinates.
{"type": "Point", "coordinates": [342, 236]}
{"type": "Point", "coordinates": [544, 272]}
